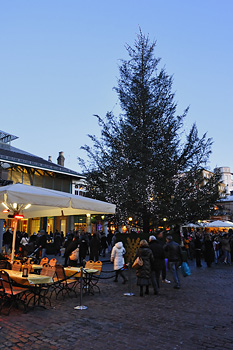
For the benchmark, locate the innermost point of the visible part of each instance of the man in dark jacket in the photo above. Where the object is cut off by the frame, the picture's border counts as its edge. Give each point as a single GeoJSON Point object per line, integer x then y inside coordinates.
{"type": "Point", "coordinates": [94, 248]}
{"type": "Point", "coordinates": [174, 253]}
{"type": "Point", "coordinates": [7, 240]}
{"type": "Point", "coordinates": [157, 265]}
{"type": "Point", "coordinates": [161, 240]}
{"type": "Point", "coordinates": [41, 243]}
{"type": "Point", "coordinates": [57, 243]}
{"type": "Point", "coordinates": [83, 246]}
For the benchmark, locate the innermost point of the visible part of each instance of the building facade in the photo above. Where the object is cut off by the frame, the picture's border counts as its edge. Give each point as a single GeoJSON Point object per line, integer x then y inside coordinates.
{"type": "Point", "coordinates": [18, 166]}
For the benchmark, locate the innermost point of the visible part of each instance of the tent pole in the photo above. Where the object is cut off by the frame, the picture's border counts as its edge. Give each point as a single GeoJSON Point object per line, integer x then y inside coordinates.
{"type": "Point", "coordinates": [1, 234]}
{"type": "Point", "coordinates": [13, 241]}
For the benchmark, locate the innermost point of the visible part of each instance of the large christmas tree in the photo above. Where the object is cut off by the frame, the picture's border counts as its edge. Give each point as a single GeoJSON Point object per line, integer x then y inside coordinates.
{"type": "Point", "coordinates": [142, 161]}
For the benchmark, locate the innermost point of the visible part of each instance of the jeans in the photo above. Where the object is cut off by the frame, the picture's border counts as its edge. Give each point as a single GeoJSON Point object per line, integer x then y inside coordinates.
{"type": "Point", "coordinates": [7, 248]}
{"type": "Point", "coordinates": [227, 257]}
{"type": "Point", "coordinates": [216, 256]}
{"type": "Point", "coordinates": [174, 268]}
{"type": "Point", "coordinates": [164, 271]}
{"type": "Point", "coordinates": [154, 281]}
{"type": "Point", "coordinates": [43, 253]}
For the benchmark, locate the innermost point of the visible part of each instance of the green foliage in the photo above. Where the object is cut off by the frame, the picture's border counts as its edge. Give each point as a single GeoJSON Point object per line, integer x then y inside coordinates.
{"type": "Point", "coordinates": [141, 161]}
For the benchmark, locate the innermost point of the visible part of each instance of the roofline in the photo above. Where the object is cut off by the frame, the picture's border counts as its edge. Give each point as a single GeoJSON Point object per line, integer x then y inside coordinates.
{"type": "Point", "coordinates": [42, 167]}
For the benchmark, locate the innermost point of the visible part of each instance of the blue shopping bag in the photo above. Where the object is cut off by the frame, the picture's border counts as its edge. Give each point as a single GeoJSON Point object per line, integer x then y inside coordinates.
{"type": "Point", "coordinates": [185, 269]}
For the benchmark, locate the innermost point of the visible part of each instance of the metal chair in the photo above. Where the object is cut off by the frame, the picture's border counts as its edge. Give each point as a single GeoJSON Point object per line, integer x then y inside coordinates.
{"type": "Point", "coordinates": [44, 269]}
{"type": "Point", "coordinates": [16, 266]}
{"type": "Point", "coordinates": [53, 262]}
{"type": "Point", "coordinates": [4, 264]}
{"type": "Point", "coordinates": [11, 295]}
{"type": "Point", "coordinates": [89, 264]}
{"type": "Point", "coordinates": [63, 284]}
{"type": "Point", "coordinates": [48, 289]}
{"type": "Point", "coordinates": [95, 278]}
{"type": "Point", "coordinates": [43, 261]}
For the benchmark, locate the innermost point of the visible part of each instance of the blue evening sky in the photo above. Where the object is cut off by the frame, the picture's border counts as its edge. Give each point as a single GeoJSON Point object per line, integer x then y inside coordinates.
{"type": "Point", "coordinates": [59, 63]}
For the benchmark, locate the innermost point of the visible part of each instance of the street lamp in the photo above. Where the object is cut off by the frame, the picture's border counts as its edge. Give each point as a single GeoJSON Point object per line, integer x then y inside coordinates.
{"type": "Point", "coordinates": [130, 223]}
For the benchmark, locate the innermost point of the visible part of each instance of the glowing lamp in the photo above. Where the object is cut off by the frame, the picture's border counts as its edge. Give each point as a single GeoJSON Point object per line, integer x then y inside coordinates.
{"type": "Point", "coordinates": [18, 216]}
{"type": "Point", "coordinates": [5, 211]}
{"type": "Point", "coordinates": [5, 205]}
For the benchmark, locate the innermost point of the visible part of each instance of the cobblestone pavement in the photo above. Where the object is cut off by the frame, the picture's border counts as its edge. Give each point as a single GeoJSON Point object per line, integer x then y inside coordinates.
{"type": "Point", "coordinates": [199, 316]}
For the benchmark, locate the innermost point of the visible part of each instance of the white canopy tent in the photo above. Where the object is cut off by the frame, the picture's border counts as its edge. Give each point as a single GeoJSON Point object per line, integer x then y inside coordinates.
{"type": "Point", "coordinates": [45, 202]}
{"type": "Point", "coordinates": [32, 201]}
{"type": "Point", "coordinates": [219, 223]}
{"type": "Point", "coordinates": [191, 225]}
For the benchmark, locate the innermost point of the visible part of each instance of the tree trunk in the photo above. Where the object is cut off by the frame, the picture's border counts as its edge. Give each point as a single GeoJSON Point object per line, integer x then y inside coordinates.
{"type": "Point", "coordinates": [146, 223]}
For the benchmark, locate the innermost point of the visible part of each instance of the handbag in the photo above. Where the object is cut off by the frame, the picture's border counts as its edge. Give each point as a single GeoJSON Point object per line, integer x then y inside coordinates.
{"type": "Point", "coordinates": [74, 254]}
{"type": "Point", "coordinates": [137, 263]}
{"type": "Point", "coordinates": [185, 269]}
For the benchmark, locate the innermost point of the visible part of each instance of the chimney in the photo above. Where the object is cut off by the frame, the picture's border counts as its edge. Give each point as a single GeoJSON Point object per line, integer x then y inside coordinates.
{"type": "Point", "coordinates": [49, 158]}
{"type": "Point", "coordinates": [61, 159]}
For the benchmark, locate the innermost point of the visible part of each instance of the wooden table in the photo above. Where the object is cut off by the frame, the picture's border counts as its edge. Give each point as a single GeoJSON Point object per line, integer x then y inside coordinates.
{"type": "Point", "coordinates": [34, 283]}
{"type": "Point", "coordinates": [76, 271]}
{"type": "Point", "coordinates": [30, 280]}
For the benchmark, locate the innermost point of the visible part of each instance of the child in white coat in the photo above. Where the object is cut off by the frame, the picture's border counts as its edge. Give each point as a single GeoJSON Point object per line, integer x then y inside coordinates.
{"type": "Point", "coordinates": [117, 256]}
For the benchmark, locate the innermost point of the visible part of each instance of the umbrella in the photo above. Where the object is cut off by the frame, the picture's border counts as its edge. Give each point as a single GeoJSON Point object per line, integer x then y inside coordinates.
{"type": "Point", "coordinates": [34, 201]}
{"type": "Point", "coordinates": [219, 223]}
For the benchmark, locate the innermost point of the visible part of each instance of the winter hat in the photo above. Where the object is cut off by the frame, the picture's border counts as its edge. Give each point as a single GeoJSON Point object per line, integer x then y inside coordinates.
{"type": "Point", "coordinates": [152, 238]}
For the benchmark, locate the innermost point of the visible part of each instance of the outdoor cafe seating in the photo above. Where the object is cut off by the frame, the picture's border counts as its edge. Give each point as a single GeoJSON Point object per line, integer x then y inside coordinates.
{"type": "Point", "coordinates": [53, 262]}
{"type": "Point", "coordinates": [90, 277]}
{"type": "Point", "coordinates": [63, 284]}
{"type": "Point", "coordinates": [44, 260]}
{"type": "Point", "coordinates": [11, 295]}
{"type": "Point", "coordinates": [29, 285]}
{"type": "Point", "coordinates": [16, 266]}
{"type": "Point", "coordinates": [93, 278]}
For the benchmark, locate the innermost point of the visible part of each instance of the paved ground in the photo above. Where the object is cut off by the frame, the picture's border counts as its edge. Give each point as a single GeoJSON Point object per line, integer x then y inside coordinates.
{"type": "Point", "coordinates": [199, 316]}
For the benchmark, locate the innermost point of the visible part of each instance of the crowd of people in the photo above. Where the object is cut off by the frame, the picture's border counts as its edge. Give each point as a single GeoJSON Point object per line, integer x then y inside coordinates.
{"type": "Point", "coordinates": [24, 245]}
{"type": "Point", "coordinates": [74, 247]}
{"type": "Point", "coordinates": [154, 254]}
{"type": "Point", "coordinates": [158, 254]}
{"type": "Point", "coordinates": [212, 247]}
{"type": "Point", "coordinates": [162, 252]}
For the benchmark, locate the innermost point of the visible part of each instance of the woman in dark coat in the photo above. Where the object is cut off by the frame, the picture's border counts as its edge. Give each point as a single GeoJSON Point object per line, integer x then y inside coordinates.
{"type": "Point", "coordinates": [209, 251]}
{"type": "Point", "coordinates": [143, 273]}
